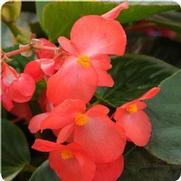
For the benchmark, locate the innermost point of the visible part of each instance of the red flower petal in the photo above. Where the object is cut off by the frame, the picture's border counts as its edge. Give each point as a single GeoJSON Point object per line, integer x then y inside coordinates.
{"type": "Point", "coordinates": [104, 79]}
{"type": "Point", "coordinates": [65, 133]}
{"type": "Point", "coordinates": [91, 35]}
{"type": "Point", "coordinates": [98, 109]}
{"type": "Point", "coordinates": [109, 171]}
{"type": "Point", "coordinates": [72, 81]}
{"type": "Point", "coordinates": [9, 74]}
{"type": "Point", "coordinates": [63, 114]}
{"type": "Point", "coordinates": [87, 166]}
{"type": "Point", "coordinates": [67, 45]}
{"type": "Point", "coordinates": [114, 13]}
{"type": "Point", "coordinates": [150, 94]}
{"type": "Point", "coordinates": [100, 138]}
{"type": "Point", "coordinates": [35, 122]}
{"type": "Point", "coordinates": [71, 169]}
{"type": "Point", "coordinates": [22, 89]}
{"type": "Point", "coordinates": [102, 62]}
{"type": "Point", "coordinates": [47, 66]}
{"type": "Point", "coordinates": [137, 127]}
{"type": "Point", "coordinates": [45, 53]}
{"type": "Point", "coordinates": [46, 146]}
{"type": "Point", "coordinates": [33, 68]}
{"type": "Point", "coordinates": [6, 100]}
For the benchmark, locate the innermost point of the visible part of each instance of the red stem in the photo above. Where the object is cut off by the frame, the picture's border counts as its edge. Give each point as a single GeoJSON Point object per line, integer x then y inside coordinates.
{"type": "Point", "coordinates": [18, 51]}
{"type": "Point", "coordinates": [26, 48]}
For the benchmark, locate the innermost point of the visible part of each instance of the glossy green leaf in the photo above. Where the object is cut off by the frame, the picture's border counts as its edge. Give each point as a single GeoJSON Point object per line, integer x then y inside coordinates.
{"type": "Point", "coordinates": [141, 166]}
{"type": "Point", "coordinates": [133, 75]}
{"type": "Point", "coordinates": [15, 151]}
{"type": "Point", "coordinates": [57, 18]}
{"type": "Point", "coordinates": [165, 113]}
{"type": "Point", "coordinates": [44, 173]}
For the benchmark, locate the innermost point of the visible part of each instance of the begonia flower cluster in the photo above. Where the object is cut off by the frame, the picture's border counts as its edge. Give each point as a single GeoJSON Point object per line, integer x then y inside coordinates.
{"type": "Point", "coordinates": [90, 142]}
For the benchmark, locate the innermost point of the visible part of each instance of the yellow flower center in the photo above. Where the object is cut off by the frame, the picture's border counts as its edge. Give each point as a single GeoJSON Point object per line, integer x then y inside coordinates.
{"type": "Point", "coordinates": [132, 108]}
{"type": "Point", "coordinates": [84, 61]}
{"type": "Point", "coordinates": [66, 154]}
{"type": "Point", "coordinates": [80, 119]}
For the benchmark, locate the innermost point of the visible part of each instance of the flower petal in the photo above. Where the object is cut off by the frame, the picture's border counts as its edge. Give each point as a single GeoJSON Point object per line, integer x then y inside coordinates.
{"type": "Point", "coordinates": [45, 146]}
{"type": "Point", "coordinates": [9, 74]}
{"type": "Point", "coordinates": [98, 109]}
{"type": "Point", "coordinates": [87, 166]}
{"type": "Point", "coordinates": [6, 100]}
{"type": "Point", "coordinates": [150, 94]}
{"type": "Point", "coordinates": [65, 133]}
{"type": "Point", "coordinates": [47, 66]}
{"type": "Point", "coordinates": [109, 171]}
{"type": "Point", "coordinates": [33, 68]}
{"type": "Point", "coordinates": [63, 114]}
{"type": "Point", "coordinates": [137, 127]}
{"type": "Point", "coordinates": [91, 35]}
{"type": "Point", "coordinates": [67, 45]}
{"type": "Point", "coordinates": [72, 169]}
{"type": "Point", "coordinates": [35, 122]}
{"type": "Point", "coordinates": [22, 89]}
{"type": "Point", "coordinates": [114, 13]}
{"type": "Point", "coordinates": [45, 53]}
{"type": "Point", "coordinates": [74, 82]}
{"type": "Point", "coordinates": [100, 138]}
{"type": "Point", "coordinates": [104, 79]}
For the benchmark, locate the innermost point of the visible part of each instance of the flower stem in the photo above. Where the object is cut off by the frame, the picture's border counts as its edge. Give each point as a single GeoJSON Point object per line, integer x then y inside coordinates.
{"type": "Point", "coordinates": [28, 47]}
{"type": "Point", "coordinates": [20, 36]}
{"type": "Point", "coordinates": [18, 51]}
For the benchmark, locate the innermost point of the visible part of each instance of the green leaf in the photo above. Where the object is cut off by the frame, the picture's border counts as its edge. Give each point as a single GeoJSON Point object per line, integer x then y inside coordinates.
{"type": "Point", "coordinates": [57, 18]}
{"type": "Point", "coordinates": [133, 75]}
{"type": "Point", "coordinates": [15, 152]}
{"type": "Point", "coordinates": [44, 173]}
{"type": "Point", "coordinates": [165, 114]}
{"type": "Point", "coordinates": [141, 166]}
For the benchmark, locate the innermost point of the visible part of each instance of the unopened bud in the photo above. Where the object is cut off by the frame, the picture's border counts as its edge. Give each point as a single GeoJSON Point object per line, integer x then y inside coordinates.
{"type": "Point", "coordinates": [10, 11]}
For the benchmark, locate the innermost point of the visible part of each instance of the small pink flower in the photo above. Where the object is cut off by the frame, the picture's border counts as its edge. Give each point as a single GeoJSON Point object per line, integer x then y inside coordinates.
{"type": "Point", "coordinates": [92, 39]}
{"type": "Point", "coordinates": [134, 120]}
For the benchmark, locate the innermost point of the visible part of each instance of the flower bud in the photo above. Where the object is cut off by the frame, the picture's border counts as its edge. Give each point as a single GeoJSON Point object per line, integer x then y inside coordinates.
{"type": "Point", "coordinates": [10, 11]}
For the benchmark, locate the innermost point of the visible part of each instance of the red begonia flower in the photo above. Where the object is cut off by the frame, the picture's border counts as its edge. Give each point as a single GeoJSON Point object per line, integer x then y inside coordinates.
{"type": "Point", "coordinates": [16, 87]}
{"type": "Point", "coordinates": [69, 162]}
{"type": "Point", "coordinates": [109, 171]}
{"type": "Point", "coordinates": [42, 53]}
{"type": "Point", "coordinates": [92, 129]}
{"type": "Point", "coordinates": [87, 59]}
{"type": "Point", "coordinates": [134, 120]}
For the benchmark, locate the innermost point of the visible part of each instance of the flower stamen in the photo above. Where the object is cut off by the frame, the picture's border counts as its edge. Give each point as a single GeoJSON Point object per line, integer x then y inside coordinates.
{"type": "Point", "coordinates": [66, 154]}
{"type": "Point", "coordinates": [84, 61]}
{"type": "Point", "coordinates": [132, 108]}
{"type": "Point", "coordinates": [80, 119]}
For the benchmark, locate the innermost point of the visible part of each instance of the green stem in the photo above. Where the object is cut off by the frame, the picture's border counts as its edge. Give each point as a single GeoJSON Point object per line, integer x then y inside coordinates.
{"type": "Point", "coordinates": [20, 36]}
